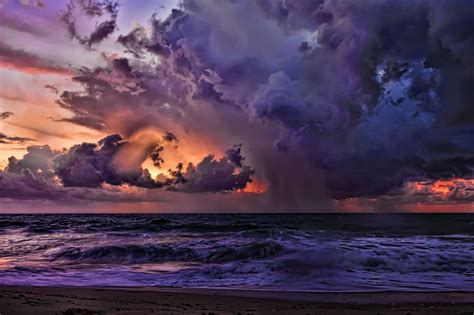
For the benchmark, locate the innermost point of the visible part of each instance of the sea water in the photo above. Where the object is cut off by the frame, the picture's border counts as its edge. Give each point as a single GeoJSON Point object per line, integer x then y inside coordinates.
{"type": "Point", "coordinates": [307, 252]}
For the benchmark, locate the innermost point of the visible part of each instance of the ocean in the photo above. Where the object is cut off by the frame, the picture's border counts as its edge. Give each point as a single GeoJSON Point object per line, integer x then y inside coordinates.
{"type": "Point", "coordinates": [302, 252]}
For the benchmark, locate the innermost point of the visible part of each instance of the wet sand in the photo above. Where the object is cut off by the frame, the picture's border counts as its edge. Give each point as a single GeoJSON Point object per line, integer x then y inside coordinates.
{"type": "Point", "coordinates": [74, 301]}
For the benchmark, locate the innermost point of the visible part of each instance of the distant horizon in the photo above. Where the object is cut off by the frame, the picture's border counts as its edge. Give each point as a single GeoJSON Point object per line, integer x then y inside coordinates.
{"type": "Point", "coordinates": [232, 213]}
{"type": "Point", "coordinates": [178, 212]}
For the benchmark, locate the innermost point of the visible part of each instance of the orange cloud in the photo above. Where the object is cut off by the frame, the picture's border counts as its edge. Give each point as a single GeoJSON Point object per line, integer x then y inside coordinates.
{"type": "Point", "coordinates": [440, 187]}
{"type": "Point", "coordinates": [35, 70]}
{"type": "Point", "coordinates": [257, 186]}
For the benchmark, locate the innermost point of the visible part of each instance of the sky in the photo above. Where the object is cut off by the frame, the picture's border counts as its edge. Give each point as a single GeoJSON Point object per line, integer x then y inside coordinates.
{"type": "Point", "coordinates": [236, 106]}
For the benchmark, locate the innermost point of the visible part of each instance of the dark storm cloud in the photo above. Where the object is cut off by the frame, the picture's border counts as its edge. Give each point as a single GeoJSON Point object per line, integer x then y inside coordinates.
{"type": "Point", "coordinates": [46, 174]}
{"type": "Point", "coordinates": [369, 94]}
{"type": "Point", "coordinates": [137, 42]}
{"type": "Point", "coordinates": [27, 185]}
{"type": "Point", "coordinates": [92, 9]}
{"type": "Point", "coordinates": [85, 106]}
{"type": "Point", "coordinates": [30, 177]}
{"type": "Point", "coordinates": [120, 85]}
{"type": "Point", "coordinates": [211, 175]}
{"type": "Point", "coordinates": [298, 14]}
{"type": "Point", "coordinates": [91, 165]}
{"type": "Point", "coordinates": [449, 168]}
{"type": "Point", "coordinates": [134, 41]}
{"type": "Point", "coordinates": [37, 160]}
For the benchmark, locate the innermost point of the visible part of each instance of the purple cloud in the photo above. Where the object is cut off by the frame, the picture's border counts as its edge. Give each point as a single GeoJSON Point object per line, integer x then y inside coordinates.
{"type": "Point", "coordinates": [22, 60]}
{"type": "Point", "coordinates": [46, 174]}
{"type": "Point", "coordinates": [92, 9]}
{"type": "Point", "coordinates": [358, 98]}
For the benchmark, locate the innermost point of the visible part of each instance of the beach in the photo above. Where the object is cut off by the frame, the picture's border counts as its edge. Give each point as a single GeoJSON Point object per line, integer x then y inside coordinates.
{"type": "Point", "coordinates": [75, 300]}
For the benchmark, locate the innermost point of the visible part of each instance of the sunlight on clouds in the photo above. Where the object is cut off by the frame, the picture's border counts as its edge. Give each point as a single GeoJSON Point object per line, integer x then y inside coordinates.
{"type": "Point", "coordinates": [257, 186]}
{"type": "Point", "coordinates": [189, 149]}
{"type": "Point", "coordinates": [441, 188]}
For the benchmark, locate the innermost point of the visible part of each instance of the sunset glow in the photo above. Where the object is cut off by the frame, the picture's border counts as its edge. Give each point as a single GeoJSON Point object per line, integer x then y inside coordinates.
{"type": "Point", "coordinates": [442, 188]}
{"type": "Point", "coordinates": [111, 103]}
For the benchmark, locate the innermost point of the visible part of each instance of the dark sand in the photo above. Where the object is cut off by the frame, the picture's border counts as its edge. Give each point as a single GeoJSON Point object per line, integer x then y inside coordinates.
{"type": "Point", "coordinates": [66, 300]}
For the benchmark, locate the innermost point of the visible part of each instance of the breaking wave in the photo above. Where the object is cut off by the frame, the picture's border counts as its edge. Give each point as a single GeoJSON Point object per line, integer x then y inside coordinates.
{"type": "Point", "coordinates": [300, 252]}
{"type": "Point", "coordinates": [149, 253]}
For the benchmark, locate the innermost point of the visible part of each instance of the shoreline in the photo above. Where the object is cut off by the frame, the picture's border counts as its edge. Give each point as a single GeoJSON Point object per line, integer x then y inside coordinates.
{"type": "Point", "coordinates": [167, 300]}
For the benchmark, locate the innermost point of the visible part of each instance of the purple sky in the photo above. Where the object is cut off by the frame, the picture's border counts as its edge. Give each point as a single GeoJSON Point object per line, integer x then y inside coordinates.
{"type": "Point", "coordinates": [252, 106]}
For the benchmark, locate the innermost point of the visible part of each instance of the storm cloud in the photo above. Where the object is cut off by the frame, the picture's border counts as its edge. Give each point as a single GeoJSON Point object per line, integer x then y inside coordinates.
{"type": "Point", "coordinates": [45, 173]}
{"type": "Point", "coordinates": [333, 99]}
{"type": "Point", "coordinates": [212, 175]}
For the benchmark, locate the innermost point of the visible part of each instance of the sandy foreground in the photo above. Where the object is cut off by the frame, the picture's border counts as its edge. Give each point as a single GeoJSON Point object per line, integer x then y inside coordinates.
{"type": "Point", "coordinates": [73, 301]}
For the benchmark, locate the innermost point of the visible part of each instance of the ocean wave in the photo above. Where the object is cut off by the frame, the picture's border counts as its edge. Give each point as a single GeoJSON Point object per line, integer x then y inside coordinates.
{"type": "Point", "coordinates": [150, 253]}
{"type": "Point", "coordinates": [325, 252]}
{"type": "Point", "coordinates": [271, 225]}
{"type": "Point", "coordinates": [406, 260]}
{"type": "Point", "coordinates": [193, 227]}
{"type": "Point", "coordinates": [254, 251]}
{"type": "Point", "coordinates": [130, 253]}
{"type": "Point", "coordinates": [12, 223]}
{"type": "Point", "coordinates": [286, 257]}
{"type": "Point", "coordinates": [121, 225]}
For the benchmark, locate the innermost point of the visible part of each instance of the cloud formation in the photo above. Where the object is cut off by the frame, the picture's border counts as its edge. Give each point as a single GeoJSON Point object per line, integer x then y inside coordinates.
{"type": "Point", "coordinates": [5, 115]}
{"type": "Point", "coordinates": [211, 175]}
{"type": "Point", "coordinates": [44, 173]}
{"type": "Point", "coordinates": [371, 93]}
{"type": "Point", "coordinates": [91, 9]}
{"type": "Point", "coordinates": [90, 165]}
{"type": "Point", "coordinates": [21, 60]}
{"type": "Point", "coordinates": [333, 99]}
{"type": "Point", "coordinates": [9, 140]}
